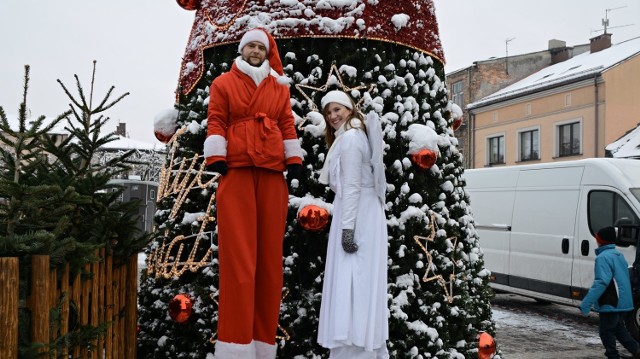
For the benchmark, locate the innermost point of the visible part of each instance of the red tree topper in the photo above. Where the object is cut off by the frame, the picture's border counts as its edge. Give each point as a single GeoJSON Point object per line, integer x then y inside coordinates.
{"type": "Point", "coordinates": [313, 218]}
{"type": "Point", "coordinates": [223, 22]}
{"type": "Point", "coordinates": [180, 308]}
{"type": "Point", "coordinates": [189, 4]}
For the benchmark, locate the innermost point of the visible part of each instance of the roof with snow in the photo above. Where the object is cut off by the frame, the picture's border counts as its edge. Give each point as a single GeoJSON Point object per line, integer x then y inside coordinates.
{"type": "Point", "coordinates": [125, 143]}
{"type": "Point", "coordinates": [220, 22]}
{"type": "Point", "coordinates": [627, 146]}
{"type": "Point", "coordinates": [121, 143]}
{"type": "Point", "coordinates": [585, 65]}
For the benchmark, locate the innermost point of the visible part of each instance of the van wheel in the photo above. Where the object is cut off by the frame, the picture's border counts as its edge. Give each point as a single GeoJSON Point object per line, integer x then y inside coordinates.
{"type": "Point", "coordinates": [632, 322]}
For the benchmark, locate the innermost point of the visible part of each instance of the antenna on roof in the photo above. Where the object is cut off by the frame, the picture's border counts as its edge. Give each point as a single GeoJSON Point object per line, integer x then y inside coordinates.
{"type": "Point", "coordinates": [605, 21]}
{"type": "Point", "coordinates": [506, 58]}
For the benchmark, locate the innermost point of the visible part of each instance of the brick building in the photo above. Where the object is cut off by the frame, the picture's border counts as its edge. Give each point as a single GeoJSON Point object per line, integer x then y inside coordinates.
{"type": "Point", "coordinates": [483, 78]}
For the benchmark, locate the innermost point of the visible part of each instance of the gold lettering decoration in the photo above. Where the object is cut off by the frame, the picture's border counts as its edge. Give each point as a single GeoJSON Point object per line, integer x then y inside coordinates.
{"type": "Point", "coordinates": [179, 179]}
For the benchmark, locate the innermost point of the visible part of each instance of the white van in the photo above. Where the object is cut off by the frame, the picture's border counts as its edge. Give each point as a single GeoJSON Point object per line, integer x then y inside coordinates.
{"type": "Point", "coordinates": [537, 222]}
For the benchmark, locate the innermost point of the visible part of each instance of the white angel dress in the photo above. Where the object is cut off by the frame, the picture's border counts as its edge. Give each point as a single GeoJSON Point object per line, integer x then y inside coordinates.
{"type": "Point", "coordinates": [353, 311]}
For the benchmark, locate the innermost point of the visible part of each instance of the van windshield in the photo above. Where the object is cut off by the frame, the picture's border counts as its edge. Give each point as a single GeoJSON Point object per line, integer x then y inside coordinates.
{"type": "Point", "coordinates": [636, 193]}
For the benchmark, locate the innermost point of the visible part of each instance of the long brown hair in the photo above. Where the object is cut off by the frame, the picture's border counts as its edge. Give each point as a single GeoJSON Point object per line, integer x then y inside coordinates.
{"type": "Point", "coordinates": [330, 132]}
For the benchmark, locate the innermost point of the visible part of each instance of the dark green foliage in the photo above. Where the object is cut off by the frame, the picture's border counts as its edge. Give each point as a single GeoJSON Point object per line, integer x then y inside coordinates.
{"type": "Point", "coordinates": [55, 201]}
{"type": "Point", "coordinates": [408, 90]}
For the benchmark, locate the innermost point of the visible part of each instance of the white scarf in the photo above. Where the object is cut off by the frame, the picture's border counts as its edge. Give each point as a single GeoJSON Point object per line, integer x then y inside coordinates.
{"type": "Point", "coordinates": [257, 74]}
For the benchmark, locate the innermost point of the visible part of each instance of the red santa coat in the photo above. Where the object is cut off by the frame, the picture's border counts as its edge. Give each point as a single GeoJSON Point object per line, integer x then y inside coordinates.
{"type": "Point", "coordinates": [249, 125]}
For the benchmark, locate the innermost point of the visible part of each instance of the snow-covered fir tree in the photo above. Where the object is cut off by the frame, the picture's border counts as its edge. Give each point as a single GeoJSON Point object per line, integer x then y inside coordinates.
{"type": "Point", "coordinates": [387, 55]}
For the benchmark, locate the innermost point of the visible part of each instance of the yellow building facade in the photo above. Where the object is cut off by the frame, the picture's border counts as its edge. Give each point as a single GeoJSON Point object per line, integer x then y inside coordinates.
{"type": "Point", "coordinates": [567, 111]}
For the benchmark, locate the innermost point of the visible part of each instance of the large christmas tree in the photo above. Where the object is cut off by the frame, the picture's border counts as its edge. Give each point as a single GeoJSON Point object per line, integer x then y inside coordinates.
{"type": "Point", "coordinates": [388, 56]}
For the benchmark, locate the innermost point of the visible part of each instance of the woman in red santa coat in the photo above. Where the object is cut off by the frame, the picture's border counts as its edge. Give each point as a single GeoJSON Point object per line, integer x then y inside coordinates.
{"type": "Point", "coordinates": [251, 141]}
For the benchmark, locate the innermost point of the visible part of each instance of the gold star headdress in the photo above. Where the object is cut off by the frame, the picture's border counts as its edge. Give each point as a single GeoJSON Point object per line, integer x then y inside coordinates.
{"type": "Point", "coordinates": [331, 80]}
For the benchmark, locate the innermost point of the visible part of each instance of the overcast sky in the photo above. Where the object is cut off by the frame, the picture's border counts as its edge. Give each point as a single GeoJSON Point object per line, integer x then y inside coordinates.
{"type": "Point", "coordinates": [138, 45]}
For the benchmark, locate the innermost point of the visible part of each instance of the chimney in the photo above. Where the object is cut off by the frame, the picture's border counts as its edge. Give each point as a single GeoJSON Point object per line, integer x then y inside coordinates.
{"type": "Point", "coordinates": [600, 42]}
{"type": "Point", "coordinates": [559, 51]}
{"type": "Point", "coordinates": [121, 130]}
{"type": "Point", "coordinates": [555, 44]}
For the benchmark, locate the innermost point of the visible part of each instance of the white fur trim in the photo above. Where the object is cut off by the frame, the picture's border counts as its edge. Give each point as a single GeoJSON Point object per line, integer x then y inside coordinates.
{"type": "Point", "coordinates": [337, 97]}
{"type": "Point", "coordinates": [265, 351]}
{"type": "Point", "coordinates": [215, 145]}
{"type": "Point", "coordinates": [226, 350]}
{"type": "Point", "coordinates": [254, 35]}
{"type": "Point", "coordinates": [292, 149]}
{"type": "Point", "coordinates": [281, 79]}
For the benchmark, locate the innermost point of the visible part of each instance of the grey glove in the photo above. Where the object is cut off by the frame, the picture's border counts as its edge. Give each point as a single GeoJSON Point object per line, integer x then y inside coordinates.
{"type": "Point", "coordinates": [348, 243]}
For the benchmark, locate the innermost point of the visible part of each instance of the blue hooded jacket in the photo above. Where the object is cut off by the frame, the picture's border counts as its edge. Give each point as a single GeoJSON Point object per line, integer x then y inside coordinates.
{"type": "Point", "coordinates": [611, 289]}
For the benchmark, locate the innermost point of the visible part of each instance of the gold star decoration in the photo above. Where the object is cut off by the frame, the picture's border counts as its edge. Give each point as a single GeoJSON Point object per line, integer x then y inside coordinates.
{"type": "Point", "coordinates": [331, 81]}
{"type": "Point", "coordinates": [447, 286]}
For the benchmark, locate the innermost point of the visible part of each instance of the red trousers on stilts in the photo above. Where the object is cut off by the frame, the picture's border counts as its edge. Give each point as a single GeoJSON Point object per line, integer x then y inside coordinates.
{"type": "Point", "coordinates": [252, 212]}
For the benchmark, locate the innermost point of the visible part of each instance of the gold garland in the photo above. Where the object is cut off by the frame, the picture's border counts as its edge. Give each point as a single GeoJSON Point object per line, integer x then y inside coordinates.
{"type": "Point", "coordinates": [230, 22]}
{"type": "Point", "coordinates": [438, 277]}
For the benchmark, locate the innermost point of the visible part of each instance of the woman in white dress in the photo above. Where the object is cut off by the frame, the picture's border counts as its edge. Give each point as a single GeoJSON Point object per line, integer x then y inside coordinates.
{"type": "Point", "coordinates": [353, 313]}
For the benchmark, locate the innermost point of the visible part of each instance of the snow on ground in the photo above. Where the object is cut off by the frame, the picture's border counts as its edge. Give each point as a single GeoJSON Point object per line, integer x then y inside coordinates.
{"type": "Point", "coordinates": [539, 324]}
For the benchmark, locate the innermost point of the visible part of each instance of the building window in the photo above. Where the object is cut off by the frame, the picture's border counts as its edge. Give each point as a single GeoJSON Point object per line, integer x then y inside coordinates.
{"type": "Point", "coordinates": [530, 145]}
{"type": "Point", "coordinates": [569, 139]}
{"type": "Point", "coordinates": [496, 150]}
{"type": "Point", "coordinates": [457, 94]}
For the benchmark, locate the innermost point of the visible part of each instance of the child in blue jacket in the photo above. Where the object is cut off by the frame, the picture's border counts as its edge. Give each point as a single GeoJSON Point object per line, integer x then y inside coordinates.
{"type": "Point", "coordinates": [610, 295]}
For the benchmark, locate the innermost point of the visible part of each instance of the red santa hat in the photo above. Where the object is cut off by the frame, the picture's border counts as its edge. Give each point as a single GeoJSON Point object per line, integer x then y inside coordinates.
{"type": "Point", "coordinates": [262, 36]}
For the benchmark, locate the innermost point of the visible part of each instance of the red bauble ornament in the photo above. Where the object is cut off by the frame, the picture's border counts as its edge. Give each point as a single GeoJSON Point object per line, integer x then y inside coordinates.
{"type": "Point", "coordinates": [180, 308]}
{"type": "Point", "coordinates": [162, 137]}
{"type": "Point", "coordinates": [424, 159]}
{"type": "Point", "coordinates": [313, 218]}
{"type": "Point", "coordinates": [457, 123]}
{"type": "Point", "coordinates": [486, 346]}
{"type": "Point", "coordinates": [189, 4]}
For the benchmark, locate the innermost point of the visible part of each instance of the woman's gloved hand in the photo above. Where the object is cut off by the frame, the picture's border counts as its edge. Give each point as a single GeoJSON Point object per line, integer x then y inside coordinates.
{"type": "Point", "coordinates": [348, 243]}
